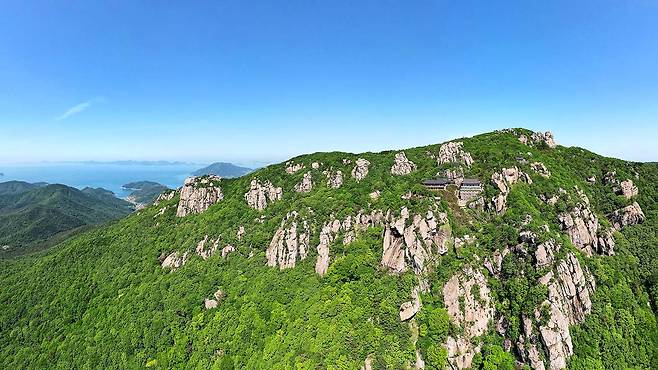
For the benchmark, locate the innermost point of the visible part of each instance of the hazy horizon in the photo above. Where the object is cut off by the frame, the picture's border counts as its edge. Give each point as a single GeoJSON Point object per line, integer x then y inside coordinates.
{"type": "Point", "coordinates": [260, 81]}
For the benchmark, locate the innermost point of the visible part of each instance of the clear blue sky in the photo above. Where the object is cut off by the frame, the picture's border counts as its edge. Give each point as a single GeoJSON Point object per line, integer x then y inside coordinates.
{"type": "Point", "coordinates": [264, 80]}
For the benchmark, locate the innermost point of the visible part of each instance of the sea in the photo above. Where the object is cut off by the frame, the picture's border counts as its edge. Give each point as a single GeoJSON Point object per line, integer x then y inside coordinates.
{"type": "Point", "coordinates": [110, 176]}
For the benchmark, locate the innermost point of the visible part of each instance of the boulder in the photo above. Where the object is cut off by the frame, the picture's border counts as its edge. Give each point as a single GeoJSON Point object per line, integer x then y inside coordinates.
{"type": "Point", "coordinates": [260, 194]}
{"type": "Point", "coordinates": [210, 303]}
{"type": "Point", "coordinates": [402, 165]}
{"type": "Point", "coordinates": [292, 167]}
{"type": "Point", "coordinates": [360, 170]}
{"type": "Point", "coordinates": [627, 189]}
{"type": "Point", "coordinates": [410, 308]}
{"type": "Point", "coordinates": [306, 185]}
{"type": "Point", "coordinates": [629, 215]}
{"type": "Point", "coordinates": [453, 152]}
{"type": "Point", "coordinates": [175, 260]}
{"type": "Point", "coordinates": [198, 194]}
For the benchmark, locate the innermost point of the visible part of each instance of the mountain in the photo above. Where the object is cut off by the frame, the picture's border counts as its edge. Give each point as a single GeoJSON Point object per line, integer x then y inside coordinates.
{"type": "Point", "coordinates": [34, 216]}
{"type": "Point", "coordinates": [225, 170]}
{"type": "Point", "coordinates": [519, 253]}
{"type": "Point", "coordinates": [143, 192]}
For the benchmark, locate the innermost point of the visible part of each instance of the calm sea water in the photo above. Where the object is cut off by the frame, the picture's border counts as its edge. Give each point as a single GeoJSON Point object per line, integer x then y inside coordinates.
{"type": "Point", "coordinates": [108, 176]}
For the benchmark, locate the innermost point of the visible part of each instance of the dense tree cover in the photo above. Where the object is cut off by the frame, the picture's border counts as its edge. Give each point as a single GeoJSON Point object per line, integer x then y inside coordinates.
{"type": "Point", "coordinates": [35, 216]}
{"type": "Point", "coordinates": [101, 299]}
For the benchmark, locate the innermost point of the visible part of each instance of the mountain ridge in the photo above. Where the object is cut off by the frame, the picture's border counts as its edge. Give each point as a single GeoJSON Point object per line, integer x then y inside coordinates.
{"type": "Point", "coordinates": [347, 260]}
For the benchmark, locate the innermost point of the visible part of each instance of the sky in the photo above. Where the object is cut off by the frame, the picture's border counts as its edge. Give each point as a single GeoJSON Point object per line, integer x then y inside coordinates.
{"type": "Point", "coordinates": [266, 80]}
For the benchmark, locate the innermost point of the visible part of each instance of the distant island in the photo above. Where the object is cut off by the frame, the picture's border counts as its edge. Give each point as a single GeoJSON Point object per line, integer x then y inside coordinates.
{"type": "Point", "coordinates": [223, 169]}
{"type": "Point", "coordinates": [143, 192]}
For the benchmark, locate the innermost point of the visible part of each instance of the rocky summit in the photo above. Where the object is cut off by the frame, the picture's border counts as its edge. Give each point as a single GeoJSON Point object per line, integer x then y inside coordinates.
{"type": "Point", "coordinates": [500, 251]}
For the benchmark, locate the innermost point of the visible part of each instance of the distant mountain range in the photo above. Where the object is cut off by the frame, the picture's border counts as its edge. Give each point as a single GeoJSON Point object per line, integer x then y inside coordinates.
{"type": "Point", "coordinates": [34, 216]}
{"type": "Point", "coordinates": [223, 169]}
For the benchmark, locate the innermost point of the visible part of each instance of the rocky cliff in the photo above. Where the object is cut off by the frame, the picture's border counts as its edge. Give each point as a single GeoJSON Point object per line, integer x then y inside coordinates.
{"type": "Point", "coordinates": [199, 193]}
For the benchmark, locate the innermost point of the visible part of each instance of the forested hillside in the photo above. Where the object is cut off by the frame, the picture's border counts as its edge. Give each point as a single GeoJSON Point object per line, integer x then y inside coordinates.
{"type": "Point", "coordinates": [34, 216]}
{"type": "Point", "coordinates": [346, 261]}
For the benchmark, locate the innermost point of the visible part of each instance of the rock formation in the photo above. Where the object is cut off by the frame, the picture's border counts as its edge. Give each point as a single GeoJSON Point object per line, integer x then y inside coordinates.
{"type": "Point", "coordinates": [290, 241]}
{"type": "Point", "coordinates": [582, 226]}
{"type": "Point", "coordinates": [213, 303]}
{"type": "Point", "coordinates": [306, 185]}
{"type": "Point", "coordinates": [468, 301]}
{"type": "Point", "coordinates": [175, 260]}
{"type": "Point", "coordinates": [165, 196]}
{"type": "Point", "coordinates": [259, 194]}
{"type": "Point", "coordinates": [402, 165]}
{"type": "Point", "coordinates": [453, 152]}
{"type": "Point", "coordinates": [292, 167]}
{"type": "Point", "coordinates": [414, 244]}
{"type": "Point", "coordinates": [629, 215]}
{"type": "Point", "coordinates": [334, 179]}
{"type": "Point", "coordinates": [348, 227]}
{"type": "Point", "coordinates": [627, 189]}
{"type": "Point", "coordinates": [410, 308]}
{"type": "Point", "coordinates": [568, 303]}
{"type": "Point", "coordinates": [198, 194]}
{"type": "Point", "coordinates": [360, 170]}
{"type": "Point", "coordinates": [504, 180]}
{"type": "Point", "coordinates": [541, 169]}
{"type": "Point", "coordinates": [206, 253]}
{"type": "Point", "coordinates": [538, 138]}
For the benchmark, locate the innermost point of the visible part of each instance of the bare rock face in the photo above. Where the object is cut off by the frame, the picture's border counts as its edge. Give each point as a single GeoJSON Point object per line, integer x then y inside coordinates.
{"type": "Point", "coordinates": [504, 180]}
{"type": "Point", "coordinates": [259, 195]}
{"type": "Point", "coordinates": [322, 262]}
{"type": "Point", "coordinates": [165, 196]}
{"type": "Point", "coordinates": [204, 252]}
{"type": "Point", "coordinates": [545, 253]}
{"type": "Point", "coordinates": [582, 226]}
{"type": "Point", "coordinates": [453, 152]}
{"type": "Point", "coordinates": [290, 241]}
{"type": "Point", "coordinates": [568, 302]}
{"type": "Point", "coordinates": [629, 215]}
{"type": "Point", "coordinates": [541, 169]}
{"type": "Point", "coordinates": [315, 165]}
{"type": "Point", "coordinates": [375, 195]}
{"type": "Point", "coordinates": [333, 228]}
{"type": "Point", "coordinates": [410, 308]}
{"type": "Point", "coordinates": [306, 185]}
{"type": "Point", "coordinates": [360, 170]}
{"type": "Point", "coordinates": [292, 167]}
{"type": "Point", "coordinates": [334, 179]}
{"type": "Point", "coordinates": [538, 138]}
{"type": "Point", "coordinates": [198, 194]}
{"type": "Point", "coordinates": [175, 260]}
{"type": "Point", "coordinates": [402, 165]}
{"type": "Point", "coordinates": [628, 189]}
{"type": "Point", "coordinates": [468, 301]}
{"type": "Point", "coordinates": [412, 245]}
